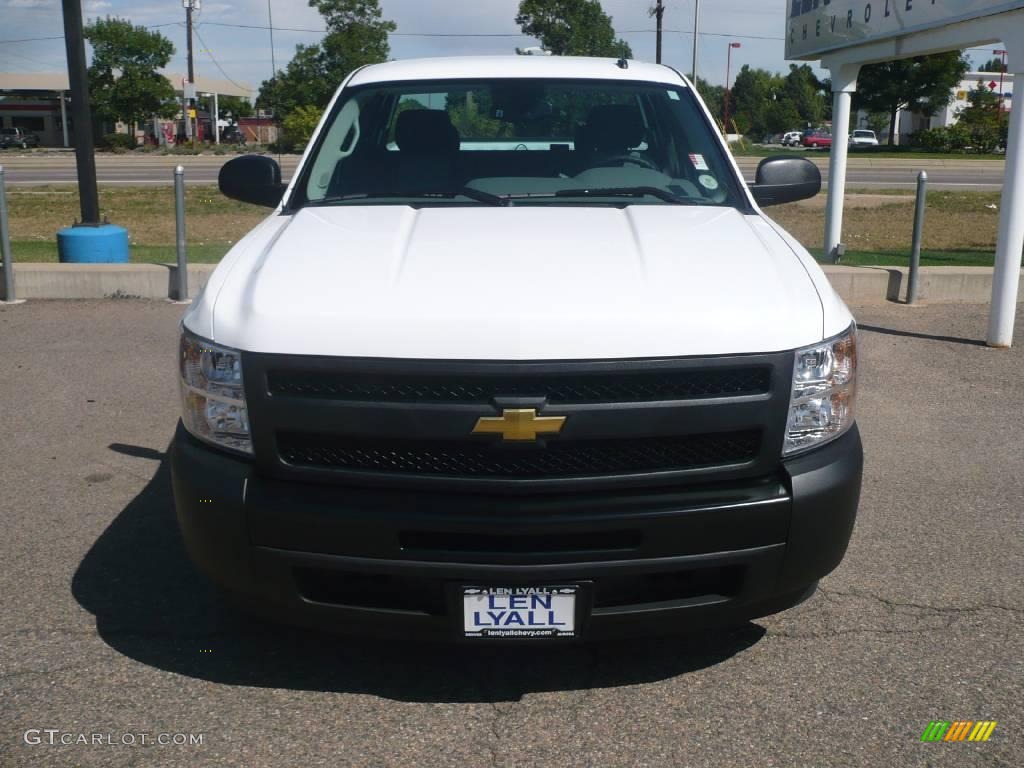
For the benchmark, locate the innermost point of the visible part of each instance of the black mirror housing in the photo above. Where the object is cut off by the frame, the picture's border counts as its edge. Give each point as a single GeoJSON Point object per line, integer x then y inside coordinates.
{"type": "Point", "coordinates": [252, 179]}
{"type": "Point", "coordinates": [785, 180]}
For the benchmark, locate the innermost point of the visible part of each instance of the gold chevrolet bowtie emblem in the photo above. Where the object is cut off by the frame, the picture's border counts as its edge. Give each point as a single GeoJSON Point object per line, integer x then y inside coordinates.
{"type": "Point", "coordinates": [519, 424]}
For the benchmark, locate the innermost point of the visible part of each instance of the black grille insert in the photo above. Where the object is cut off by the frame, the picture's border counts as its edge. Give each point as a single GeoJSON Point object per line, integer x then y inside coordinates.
{"type": "Point", "coordinates": [517, 544]}
{"type": "Point", "coordinates": [427, 595]}
{"type": "Point", "coordinates": [484, 460]}
{"type": "Point", "coordinates": [619, 387]}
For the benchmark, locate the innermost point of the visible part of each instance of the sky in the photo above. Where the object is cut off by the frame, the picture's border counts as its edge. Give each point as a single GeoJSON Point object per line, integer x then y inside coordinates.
{"type": "Point", "coordinates": [244, 54]}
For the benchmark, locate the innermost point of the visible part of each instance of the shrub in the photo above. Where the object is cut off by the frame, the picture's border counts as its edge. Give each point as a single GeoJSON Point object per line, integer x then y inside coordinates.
{"type": "Point", "coordinates": [118, 141]}
{"type": "Point", "coordinates": [955, 138]}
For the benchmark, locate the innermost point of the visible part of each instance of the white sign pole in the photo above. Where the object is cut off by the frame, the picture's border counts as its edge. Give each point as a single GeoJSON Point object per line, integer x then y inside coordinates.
{"type": "Point", "coordinates": [844, 83]}
{"type": "Point", "coordinates": [1006, 278]}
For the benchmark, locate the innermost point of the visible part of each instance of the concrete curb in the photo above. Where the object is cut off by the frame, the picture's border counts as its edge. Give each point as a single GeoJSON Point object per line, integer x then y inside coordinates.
{"type": "Point", "coordinates": [938, 285]}
{"type": "Point", "coordinates": [105, 281]}
{"type": "Point", "coordinates": [857, 285]}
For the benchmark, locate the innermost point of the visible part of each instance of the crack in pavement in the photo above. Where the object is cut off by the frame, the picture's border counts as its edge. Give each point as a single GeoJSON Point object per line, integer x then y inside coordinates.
{"type": "Point", "coordinates": [940, 617]}
{"type": "Point", "coordinates": [921, 606]}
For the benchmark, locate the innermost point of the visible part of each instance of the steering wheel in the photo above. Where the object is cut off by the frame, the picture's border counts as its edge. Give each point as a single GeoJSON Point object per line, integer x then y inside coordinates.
{"type": "Point", "coordinates": [643, 162]}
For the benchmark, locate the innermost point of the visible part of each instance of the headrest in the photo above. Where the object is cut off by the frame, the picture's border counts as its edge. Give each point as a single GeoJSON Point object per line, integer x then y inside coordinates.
{"type": "Point", "coordinates": [422, 131]}
{"type": "Point", "coordinates": [614, 128]}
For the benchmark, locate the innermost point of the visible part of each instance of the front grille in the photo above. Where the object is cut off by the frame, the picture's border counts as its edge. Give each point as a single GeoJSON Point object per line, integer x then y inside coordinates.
{"type": "Point", "coordinates": [581, 458]}
{"type": "Point", "coordinates": [643, 386]}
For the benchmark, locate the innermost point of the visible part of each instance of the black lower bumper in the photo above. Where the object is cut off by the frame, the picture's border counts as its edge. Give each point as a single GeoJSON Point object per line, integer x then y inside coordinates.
{"type": "Point", "coordinates": [373, 561]}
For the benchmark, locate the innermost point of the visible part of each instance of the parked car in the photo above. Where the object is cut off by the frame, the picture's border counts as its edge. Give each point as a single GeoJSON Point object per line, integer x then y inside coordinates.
{"type": "Point", "coordinates": [863, 138]}
{"type": "Point", "coordinates": [792, 139]}
{"type": "Point", "coordinates": [816, 139]}
{"type": "Point", "coordinates": [465, 388]}
{"type": "Point", "coordinates": [232, 134]}
{"type": "Point", "coordinates": [17, 137]}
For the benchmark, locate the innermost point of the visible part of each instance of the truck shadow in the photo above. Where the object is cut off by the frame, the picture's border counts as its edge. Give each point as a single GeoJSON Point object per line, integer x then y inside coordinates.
{"type": "Point", "coordinates": [153, 606]}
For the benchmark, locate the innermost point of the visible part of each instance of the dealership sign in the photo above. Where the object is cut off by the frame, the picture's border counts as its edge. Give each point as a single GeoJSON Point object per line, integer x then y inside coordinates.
{"type": "Point", "coordinates": [815, 27]}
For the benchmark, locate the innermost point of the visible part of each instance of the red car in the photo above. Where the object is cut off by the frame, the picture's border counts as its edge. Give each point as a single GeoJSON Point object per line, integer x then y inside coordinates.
{"type": "Point", "coordinates": [815, 139]}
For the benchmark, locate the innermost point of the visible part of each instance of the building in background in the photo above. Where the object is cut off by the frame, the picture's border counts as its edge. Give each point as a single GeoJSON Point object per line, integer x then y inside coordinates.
{"type": "Point", "coordinates": [39, 102]}
{"type": "Point", "coordinates": [908, 123]}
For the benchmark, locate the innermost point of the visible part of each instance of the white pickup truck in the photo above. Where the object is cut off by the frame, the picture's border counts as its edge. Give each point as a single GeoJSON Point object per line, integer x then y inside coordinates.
{"type": "Point", "coordinates": [517, 356]}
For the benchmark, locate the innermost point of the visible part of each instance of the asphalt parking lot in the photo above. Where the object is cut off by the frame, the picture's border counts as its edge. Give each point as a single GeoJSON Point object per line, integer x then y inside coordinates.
{"type": "Point", "coordinates": [108, 630]}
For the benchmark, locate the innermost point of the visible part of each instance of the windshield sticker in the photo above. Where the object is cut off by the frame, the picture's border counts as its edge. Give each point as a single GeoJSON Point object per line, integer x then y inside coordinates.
{"type": "Point", "coordinates": [708, 182]}
{"type": "Point", "coordinates": [673, 95]}
{"type": "Point", "coordinates": [698, 162]}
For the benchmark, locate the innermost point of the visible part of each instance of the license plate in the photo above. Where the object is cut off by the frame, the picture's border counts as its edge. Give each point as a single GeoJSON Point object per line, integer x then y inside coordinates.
{"type": "Point", "coordinates": [519, 612]}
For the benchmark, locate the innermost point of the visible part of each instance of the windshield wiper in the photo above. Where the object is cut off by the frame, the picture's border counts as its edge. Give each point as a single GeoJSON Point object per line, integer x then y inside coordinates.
{"type": "Point", "coordinates": [472, 194]}
{"type": "Point", "coordinates": [658, 192]}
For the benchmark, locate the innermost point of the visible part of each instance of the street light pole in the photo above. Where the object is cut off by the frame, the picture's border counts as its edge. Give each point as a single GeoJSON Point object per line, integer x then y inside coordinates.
{"type": "Point", "coordinates": [728, 90]}
{"type": "Point", "coordinates": [1002, 71]}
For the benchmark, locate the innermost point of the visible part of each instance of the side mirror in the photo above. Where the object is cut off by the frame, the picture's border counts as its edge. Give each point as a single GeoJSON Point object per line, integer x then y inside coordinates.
{"type": "Point", "coordinates": [785, 180]}
{"type": "Point", "coordinates": [252, 179]}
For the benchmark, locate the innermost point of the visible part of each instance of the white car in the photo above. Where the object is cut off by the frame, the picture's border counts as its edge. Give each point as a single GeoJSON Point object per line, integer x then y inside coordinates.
{"type": "Point", "coordinates": [517, 356]}
{"type": "Point", "coordinates": [792, 139]}
{"type": "Point", "coordinates": [863, 138]}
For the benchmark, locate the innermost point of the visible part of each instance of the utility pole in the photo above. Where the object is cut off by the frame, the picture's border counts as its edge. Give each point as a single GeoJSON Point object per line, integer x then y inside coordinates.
{"type": "Point", "coordinates": [696, 39]}
{"type": "Point", "coordinates": [658, 12]}
{"type": "Point", "coordinates": [190, 91]}
{"type": "Point", "coordinates": [74, 44]}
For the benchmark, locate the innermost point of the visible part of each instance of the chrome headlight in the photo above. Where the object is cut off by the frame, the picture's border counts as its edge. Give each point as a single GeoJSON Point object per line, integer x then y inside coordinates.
{"type": "Point", "coordinates": [212, 396]}
{"type": "Point", "coordinates": [821, 406]}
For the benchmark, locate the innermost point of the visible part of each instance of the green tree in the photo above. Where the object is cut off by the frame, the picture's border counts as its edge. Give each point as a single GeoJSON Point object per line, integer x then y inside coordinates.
{"type": "Point", "coordinates": [805, 95]}
{"type": "Point", "coordinates": [571, 28]}
{"type": "Point", "coordinates": [780, 116]}
{"type": "Point", "coordinates": [357, 34]}
{"type": "Point", "coordinates": [993, 65]}
{"type": "Point", "coordinates": [982, 119]}
{"type": "Point", "coordinates": [232, 108]}
{"type": "Point", "coordinates": [714, 97]}
{"type": "Point", "coordinates": [754, 92]}
{"type": "Point", "coordinates": [124, 84]}
{"type": "Point", "coordinates": [922, 84]}
{"type": "Point", "coordinates": [877, 121]}
{"type": "Point", "coordinates": [982, 107]}
{"type": "Point", "coordinates": [298, 127]}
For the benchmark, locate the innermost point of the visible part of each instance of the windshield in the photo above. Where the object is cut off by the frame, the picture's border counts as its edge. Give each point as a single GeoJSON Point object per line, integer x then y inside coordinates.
{"type": "Point", "coordinates": [517, 142]}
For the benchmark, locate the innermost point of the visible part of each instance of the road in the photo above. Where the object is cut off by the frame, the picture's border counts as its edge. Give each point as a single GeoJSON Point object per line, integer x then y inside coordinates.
{"type": "Point", "coordinates": [108, 629]}
{"type": "Point", "coordinates": [979, 175]}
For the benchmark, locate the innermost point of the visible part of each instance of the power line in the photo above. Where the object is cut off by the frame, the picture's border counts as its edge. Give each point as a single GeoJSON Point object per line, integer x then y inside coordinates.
{"type": "Point", "coordinates": [485, 34]}
{"type": "Point", "coordinates": [215, 62]}
{"type": "Point", "coordinates": [704, 34]}
{"type": "Point", "coordinates": [61, 37]}
{"type": "Point", "coordinates": [31, 39]}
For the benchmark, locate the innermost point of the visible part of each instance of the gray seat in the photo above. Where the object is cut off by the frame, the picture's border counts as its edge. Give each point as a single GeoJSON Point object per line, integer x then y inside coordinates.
{"type": "Point", "coordinates": [611, 130]}
{"type": "Point", "coordinates": [428, 147]}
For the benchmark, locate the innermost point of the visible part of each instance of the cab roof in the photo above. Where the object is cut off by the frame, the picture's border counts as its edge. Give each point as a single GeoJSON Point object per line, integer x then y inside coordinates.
{"type": "Point", "coordinates": [490, 67]}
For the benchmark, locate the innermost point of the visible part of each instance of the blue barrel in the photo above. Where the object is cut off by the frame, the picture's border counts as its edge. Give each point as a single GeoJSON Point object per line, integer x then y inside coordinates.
{"type": "Point", "coordinates": [105, 244]}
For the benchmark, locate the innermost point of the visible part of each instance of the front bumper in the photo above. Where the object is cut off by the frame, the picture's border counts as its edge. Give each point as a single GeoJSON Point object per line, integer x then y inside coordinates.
{"type": "Point", "coordinates": [388, 562]}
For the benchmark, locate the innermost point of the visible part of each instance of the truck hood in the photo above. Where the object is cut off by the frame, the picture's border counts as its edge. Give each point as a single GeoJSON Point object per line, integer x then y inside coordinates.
{"type": "Point", "coordinates": [520, 283]}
